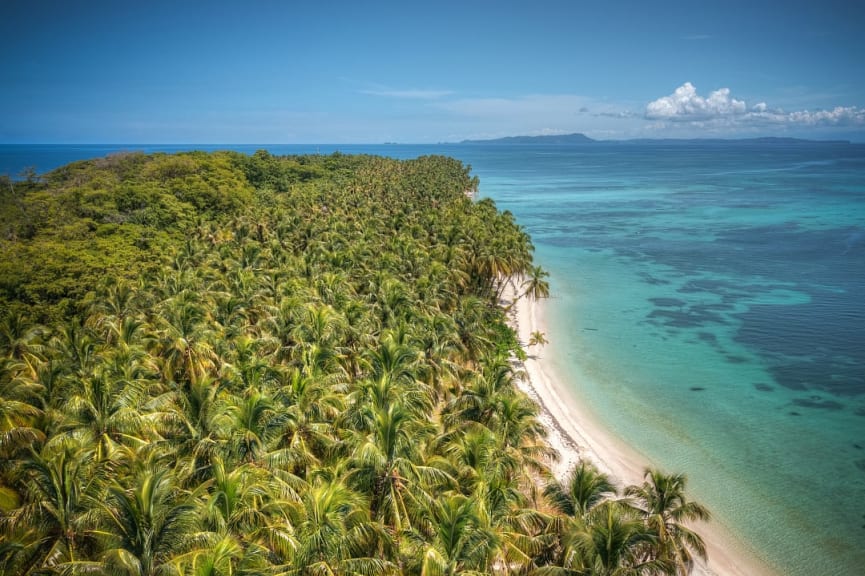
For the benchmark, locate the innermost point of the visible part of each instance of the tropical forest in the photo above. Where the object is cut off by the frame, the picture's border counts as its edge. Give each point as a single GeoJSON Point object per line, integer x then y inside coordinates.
{"type": "Point", "coordinates": [220, 364]}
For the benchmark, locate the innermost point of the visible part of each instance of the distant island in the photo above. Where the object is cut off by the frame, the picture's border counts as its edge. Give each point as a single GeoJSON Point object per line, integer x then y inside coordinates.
{"type": "Point", "coordinates": [581, 139]}
{"type": "Point", "coordinates": [575, 138]}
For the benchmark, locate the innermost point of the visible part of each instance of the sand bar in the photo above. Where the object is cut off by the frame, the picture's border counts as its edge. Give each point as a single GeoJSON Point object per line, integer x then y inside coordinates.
{"type": "Point", "coordinates": [576, 434]}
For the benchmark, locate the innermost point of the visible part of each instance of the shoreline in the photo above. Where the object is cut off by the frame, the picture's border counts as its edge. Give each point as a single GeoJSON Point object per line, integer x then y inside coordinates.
{"type": "Point", "coordinates": [576, 434]}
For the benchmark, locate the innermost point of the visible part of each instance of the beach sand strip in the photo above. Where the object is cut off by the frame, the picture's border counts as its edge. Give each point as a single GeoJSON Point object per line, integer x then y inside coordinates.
{"type": "Point", "coordinates": [576, 434]}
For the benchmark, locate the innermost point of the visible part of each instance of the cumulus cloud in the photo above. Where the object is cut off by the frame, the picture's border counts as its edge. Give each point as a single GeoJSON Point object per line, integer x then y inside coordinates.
{"type": "Point", "coordinates": [838, 116]}
{"type": "Point", "coordinates": [685, 105]}
{"type": "Point", "coordinates": [720, 109]}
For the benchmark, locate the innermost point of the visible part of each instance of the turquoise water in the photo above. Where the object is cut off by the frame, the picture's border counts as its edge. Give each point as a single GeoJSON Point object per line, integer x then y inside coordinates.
{"type": "Point", "coordinates": [709, 306]}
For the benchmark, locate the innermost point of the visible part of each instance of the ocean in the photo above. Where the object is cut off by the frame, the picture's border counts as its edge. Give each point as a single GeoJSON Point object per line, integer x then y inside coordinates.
{"type": "Point", "coordinates": [708, 307]}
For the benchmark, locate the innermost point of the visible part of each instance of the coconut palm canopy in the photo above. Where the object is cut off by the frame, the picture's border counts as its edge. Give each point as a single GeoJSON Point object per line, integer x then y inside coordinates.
{"type": "Point", "coordinates": [223, 364]}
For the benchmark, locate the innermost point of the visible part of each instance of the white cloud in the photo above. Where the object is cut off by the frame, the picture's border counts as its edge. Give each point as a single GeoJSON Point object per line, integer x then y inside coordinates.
{"type": "Point", "coordinates": [721, 110]}
{"type": "Point", "coordinates": [685, 105]}
{"type": "Point", "coordinates": [838, 116]}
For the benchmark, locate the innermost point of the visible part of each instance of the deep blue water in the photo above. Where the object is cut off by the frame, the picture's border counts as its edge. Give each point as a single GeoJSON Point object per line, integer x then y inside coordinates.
{"type": "Point", "coordinates": [709, 308]}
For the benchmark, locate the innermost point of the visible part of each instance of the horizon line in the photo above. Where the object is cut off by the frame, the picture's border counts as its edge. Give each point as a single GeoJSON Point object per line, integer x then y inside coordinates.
{"type": "Point", "coordinates": [851, 140]}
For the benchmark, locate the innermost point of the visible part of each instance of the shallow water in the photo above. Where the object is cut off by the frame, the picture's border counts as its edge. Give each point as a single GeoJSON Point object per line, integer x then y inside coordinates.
{"type": "Point", "coordinates": [709, 304]}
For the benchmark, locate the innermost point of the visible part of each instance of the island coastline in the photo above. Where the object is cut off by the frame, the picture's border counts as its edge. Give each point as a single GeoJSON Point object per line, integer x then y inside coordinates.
{"type": "Point", "coordinates": [576, 434]}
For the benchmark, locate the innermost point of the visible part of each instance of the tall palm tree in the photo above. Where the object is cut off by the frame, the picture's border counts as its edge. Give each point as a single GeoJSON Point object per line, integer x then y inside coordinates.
{"type": "Point", "coordinates": [202, 425]}
{"type": "Point", "coordinates": [454, 539]}
{"type": "Point", "coordinates": [215, 555]}
{"type": "Point", "coordinates": [333, 534]}
{"type": "Point", "coordinates": [109, 402]}
{"type": "Point", "coordinates": [184, 343]}
{"type": "Point", "coordinates": [313, 402]}
{"type": "Point", "coordinates": [147, 524]}
{"type": "Point", "coordinates": [20, 397]}
{"type": "Point", "coordinates": [535, 286]}
{"type": "Point", "coordinates": [517, 424]}
{"type": "Point", "coordinates": [235, 498]}
{"type": "Point", "coordinates": [60, 483]}
{"type": "Point", "coordinates": [611, 540]}
{"type": "Point", "coordinates": [584, 488]}
{"type": "Point", "coordinates": [19, 336]}
{"type": "Point", "coordinates": [388, 464]}
{"type": "Point", "coordinates": [258, 421]}
{"type": "Point", "coordinates": [662, 502]}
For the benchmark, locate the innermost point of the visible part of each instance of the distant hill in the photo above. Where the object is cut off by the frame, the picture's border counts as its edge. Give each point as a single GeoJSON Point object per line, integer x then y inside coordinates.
{"type": "Point", "coordinates": [550, 139]}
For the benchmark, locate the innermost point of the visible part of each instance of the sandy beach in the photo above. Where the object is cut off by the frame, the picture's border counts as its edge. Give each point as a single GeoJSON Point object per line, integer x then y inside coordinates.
{"type": "Point", "coordinates": [576, 434]}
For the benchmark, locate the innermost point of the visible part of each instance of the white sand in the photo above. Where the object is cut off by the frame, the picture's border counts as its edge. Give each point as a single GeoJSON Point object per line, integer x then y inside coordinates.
{"type": "Point", "coordinates": [576, 434]}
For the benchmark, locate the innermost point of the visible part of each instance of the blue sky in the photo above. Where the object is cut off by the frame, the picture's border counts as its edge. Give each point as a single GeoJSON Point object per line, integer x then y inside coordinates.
{"type": "Point", "coordinates": [125, 71]}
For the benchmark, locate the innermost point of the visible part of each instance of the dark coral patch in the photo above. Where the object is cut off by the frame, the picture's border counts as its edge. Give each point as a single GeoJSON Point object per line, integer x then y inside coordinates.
{"type": "Point", "coordinates": [667, 302]}
{"type": "Point", "coordinates": [816, 403]}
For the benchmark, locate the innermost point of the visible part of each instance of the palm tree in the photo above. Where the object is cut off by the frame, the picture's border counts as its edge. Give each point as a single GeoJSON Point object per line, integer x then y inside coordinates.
{"type": "Point", "coordinates": [60, 484]}
{"type": "Point", "coordinates": [584, 488]}
{"type": "Point", "coordinates": [215, 556]}
{"type": "Point", "coordinates": [117, 300]}
{"type": "Point", "coordinates": [203, 424]}
{"type": "Point", "coordinates": [19, 336]}
{"type": "Point", "coordinates": [480, 400]}
{"type": "Point", "coordinates": [20, 395]}
{"type": "Point", "coordinates": [257, 424]}
{"type": "Point", "coordinates": [538, 338]}
{"type": "Point", "coordinates": [388, 465]}
{"type": "Point", "coordinates": [235, 498]}
{"type": "Point", "coordinates": [611, 540]}
{"type": "Point", "coordinates": [109, 402]}
{"type": "Point", "coordinates": [535, 286]}
{"type": "Point", "coordinates": [596, 533]}
{"type": "Point", "coordinates": [184, 346]}
{"type": "Point", "coordinates": [454, 540]}
{"type": "Point", "coordinates": [147, 525]}
{"type": "Point", "coordinates": [321, 325]}
{"type": "Point", "coordinates": [662, 502]}
{"type": "Point", "coordinates": [472, 317]}
{"type": "Point", "coordinates": [333, 534]}
{"type": "Point", "coordinates": [313, 402]}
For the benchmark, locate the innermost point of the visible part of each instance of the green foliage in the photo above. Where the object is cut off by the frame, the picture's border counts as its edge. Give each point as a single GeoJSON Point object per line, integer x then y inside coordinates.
{"type": "Point", "coordinates": [221, 364]}
{"type": "Point", "coordinates": [112, 217]}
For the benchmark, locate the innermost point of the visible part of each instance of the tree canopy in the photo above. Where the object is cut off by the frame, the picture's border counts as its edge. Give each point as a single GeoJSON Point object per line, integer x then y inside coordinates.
{"type": "Point", "coordinates": [229, 364]}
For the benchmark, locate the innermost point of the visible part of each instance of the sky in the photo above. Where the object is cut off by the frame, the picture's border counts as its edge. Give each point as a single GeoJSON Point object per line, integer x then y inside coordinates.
{"type": "Point", "coordinates": [267, 72]}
